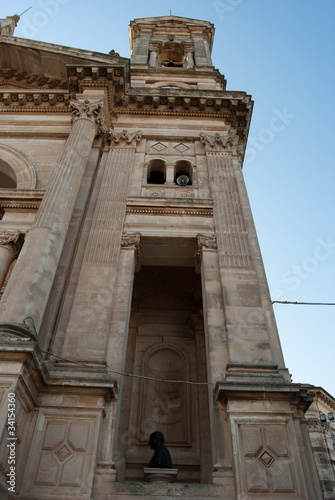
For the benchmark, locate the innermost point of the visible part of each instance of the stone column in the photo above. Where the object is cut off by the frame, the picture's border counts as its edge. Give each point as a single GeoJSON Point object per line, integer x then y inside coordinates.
{"type": "Point", "coordinates": [34, 272]}
{"type": "Point", "coordinates": [153, 59]}
{"type": "Point", "coordinates": [190, 60]}
{"type": "Point", "coordinates": [10, 246]}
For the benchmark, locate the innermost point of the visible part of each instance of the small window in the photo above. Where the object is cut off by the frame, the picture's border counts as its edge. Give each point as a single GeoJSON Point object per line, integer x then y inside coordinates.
{"type": "Point", "coordinates": [156, 172]}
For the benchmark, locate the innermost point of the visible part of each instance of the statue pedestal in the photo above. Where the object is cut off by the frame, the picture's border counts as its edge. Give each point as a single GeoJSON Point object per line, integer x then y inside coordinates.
{"type": "Point", "coordinates": [160, 475]}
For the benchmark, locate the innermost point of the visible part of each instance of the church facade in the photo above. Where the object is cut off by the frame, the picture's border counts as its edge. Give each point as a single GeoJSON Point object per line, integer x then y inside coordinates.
{"type": "Point", "coordinates": [134, 297]}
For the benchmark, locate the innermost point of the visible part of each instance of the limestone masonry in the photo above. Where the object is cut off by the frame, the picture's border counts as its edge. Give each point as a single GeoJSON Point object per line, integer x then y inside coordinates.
{"type": "Point", "coordinates": [127, 246]}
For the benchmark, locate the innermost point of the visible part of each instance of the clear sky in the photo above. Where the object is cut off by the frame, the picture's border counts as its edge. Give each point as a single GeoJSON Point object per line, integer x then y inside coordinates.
{"type": "Point", "coordinates": [282, 53]}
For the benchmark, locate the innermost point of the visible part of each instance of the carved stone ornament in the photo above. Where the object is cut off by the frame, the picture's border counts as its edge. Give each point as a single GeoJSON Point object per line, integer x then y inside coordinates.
{"type": "Point", "coordinates": [130, 239]}
{"type": "Point", "coordinates": [218, 141]}
{"type": "Point", "coordinates": [203, 241]}
{"type": "Point", "coordinates": [88, 111]}
{"type": "Point", "coordinates": [17, 332]}
{"type": "Point", "coordinates": [13, 239]}
{"type": "Point", "coordinates": [123, 138]}
{"type": "Point", "coordinates": [8, 25]}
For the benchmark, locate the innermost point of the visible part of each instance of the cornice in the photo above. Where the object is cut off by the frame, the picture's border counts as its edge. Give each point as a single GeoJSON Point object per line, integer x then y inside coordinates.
{"type": "Point", "coordinates": [20, 200]}
{"type": "Point", "coordinates": [36, 93]}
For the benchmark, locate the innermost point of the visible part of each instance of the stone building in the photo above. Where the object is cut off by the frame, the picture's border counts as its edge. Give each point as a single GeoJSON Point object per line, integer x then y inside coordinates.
{"type": "Point", "coordinates": [128, 247]}
{"type": "Point", "coordinates": [321, 426]}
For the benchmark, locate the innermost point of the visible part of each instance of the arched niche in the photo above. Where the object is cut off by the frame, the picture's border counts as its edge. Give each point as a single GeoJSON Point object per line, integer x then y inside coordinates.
{"type": "Point", "coordinates": [17, 170]}
{"type": "Point", "coordinates": [165, 406]}
{"type": "Point", "coordinates": [156, 172]}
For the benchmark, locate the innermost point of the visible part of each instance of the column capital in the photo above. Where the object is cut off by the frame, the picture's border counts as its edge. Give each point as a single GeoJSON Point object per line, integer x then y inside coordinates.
{"type": "Point", "coordinates": [13, 240]}
{"type": "Point", "coordinates": [204, 242]}
{"type": "Point", "coordinates": [221, 142]}
{"type": "Point", "coordinates": [124, 138]}
{"type": "Point", "coordinates": [132, 240]}
{"type": "Point", "coordinates": [87, 110]}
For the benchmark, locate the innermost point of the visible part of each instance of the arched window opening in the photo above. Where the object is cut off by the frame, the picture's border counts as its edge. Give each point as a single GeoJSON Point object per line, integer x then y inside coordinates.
{"type": "Point", "coordinates": [156, 172]}
{"type": "Point", "coordinates": [183, 173]}
{"type": "Point", "coordinates": [7, 176]}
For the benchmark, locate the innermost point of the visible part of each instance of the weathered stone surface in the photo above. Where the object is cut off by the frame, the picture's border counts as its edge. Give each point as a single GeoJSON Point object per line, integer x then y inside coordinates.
{"type": "Point", "coordinates": [138, 304]}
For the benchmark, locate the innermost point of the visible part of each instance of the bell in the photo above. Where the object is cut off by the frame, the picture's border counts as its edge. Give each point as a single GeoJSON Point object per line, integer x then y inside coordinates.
{"type": "Point", "coordinates": [182, 180]}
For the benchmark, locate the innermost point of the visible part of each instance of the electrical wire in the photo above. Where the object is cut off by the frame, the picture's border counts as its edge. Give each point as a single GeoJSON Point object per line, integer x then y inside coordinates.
{"type": "Point", "coordinates": [303, 303]}
{"type": "Point", "coordinates": [115, 372]}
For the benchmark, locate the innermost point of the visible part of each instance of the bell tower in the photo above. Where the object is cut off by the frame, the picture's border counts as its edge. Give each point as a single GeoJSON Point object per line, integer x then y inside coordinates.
{"type": "Point", "coordinates": [139, 301]}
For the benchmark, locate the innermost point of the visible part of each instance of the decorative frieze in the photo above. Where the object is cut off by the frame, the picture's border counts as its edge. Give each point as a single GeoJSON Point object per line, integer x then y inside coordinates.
{"type": "Point", "coordinates": [190, 212]}
{"type": "Point", "coordinates": [234, 110]}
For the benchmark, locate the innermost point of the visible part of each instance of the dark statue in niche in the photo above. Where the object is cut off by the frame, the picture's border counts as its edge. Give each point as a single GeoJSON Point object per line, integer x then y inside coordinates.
{"type": "Point", "coordinates": [161, 457]}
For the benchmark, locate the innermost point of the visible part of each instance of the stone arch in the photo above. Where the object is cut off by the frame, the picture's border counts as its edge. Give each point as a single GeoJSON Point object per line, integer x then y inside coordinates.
{"type": "Point", "coordinates": [19, 167]}
{"type": "Point", "coordinates": [156, 171]}
{"type": "Point", "coordinates": [183, 167]}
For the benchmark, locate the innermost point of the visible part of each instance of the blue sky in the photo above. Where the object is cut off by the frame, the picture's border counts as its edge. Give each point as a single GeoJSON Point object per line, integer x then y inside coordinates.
{"type": "Point", "coordinates": [282, 53]}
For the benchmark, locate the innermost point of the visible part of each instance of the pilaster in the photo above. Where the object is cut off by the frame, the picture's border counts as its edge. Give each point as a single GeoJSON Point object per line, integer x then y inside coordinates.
{"type": "Point", "coordinates": [252, 336]}
{"type": "Point", "coordinates": [88, 324]}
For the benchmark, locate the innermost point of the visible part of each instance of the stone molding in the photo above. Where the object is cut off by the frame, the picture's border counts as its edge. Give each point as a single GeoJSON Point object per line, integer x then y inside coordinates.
{"type": "Point", "coordinates": [190, 212]}
{"type": "Point", "coordinates": [20, 200]}
{"type": "Point", "coordinates": [235, 111]}
{"type": "Point", "coordinates": [16, 332]}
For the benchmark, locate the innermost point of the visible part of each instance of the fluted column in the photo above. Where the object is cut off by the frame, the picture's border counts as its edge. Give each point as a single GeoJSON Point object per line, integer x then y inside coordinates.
{"type": "Point", "coordinates": [34, 272]}
{"type": "Point", "coordinates": [10, 245]}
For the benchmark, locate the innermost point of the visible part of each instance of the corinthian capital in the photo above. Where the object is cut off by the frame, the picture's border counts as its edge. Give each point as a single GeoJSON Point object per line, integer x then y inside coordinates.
{"type": "Point", "coordinates": [203, 241]}
{"type": "Point", "coordinates": [218, 142]}
{"type": "Point", "coordinates": [12, 239]}
{"type": "Point", "coordinates": [86, 110]}
{"type": "Point", "coordinates": [124, 138]}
